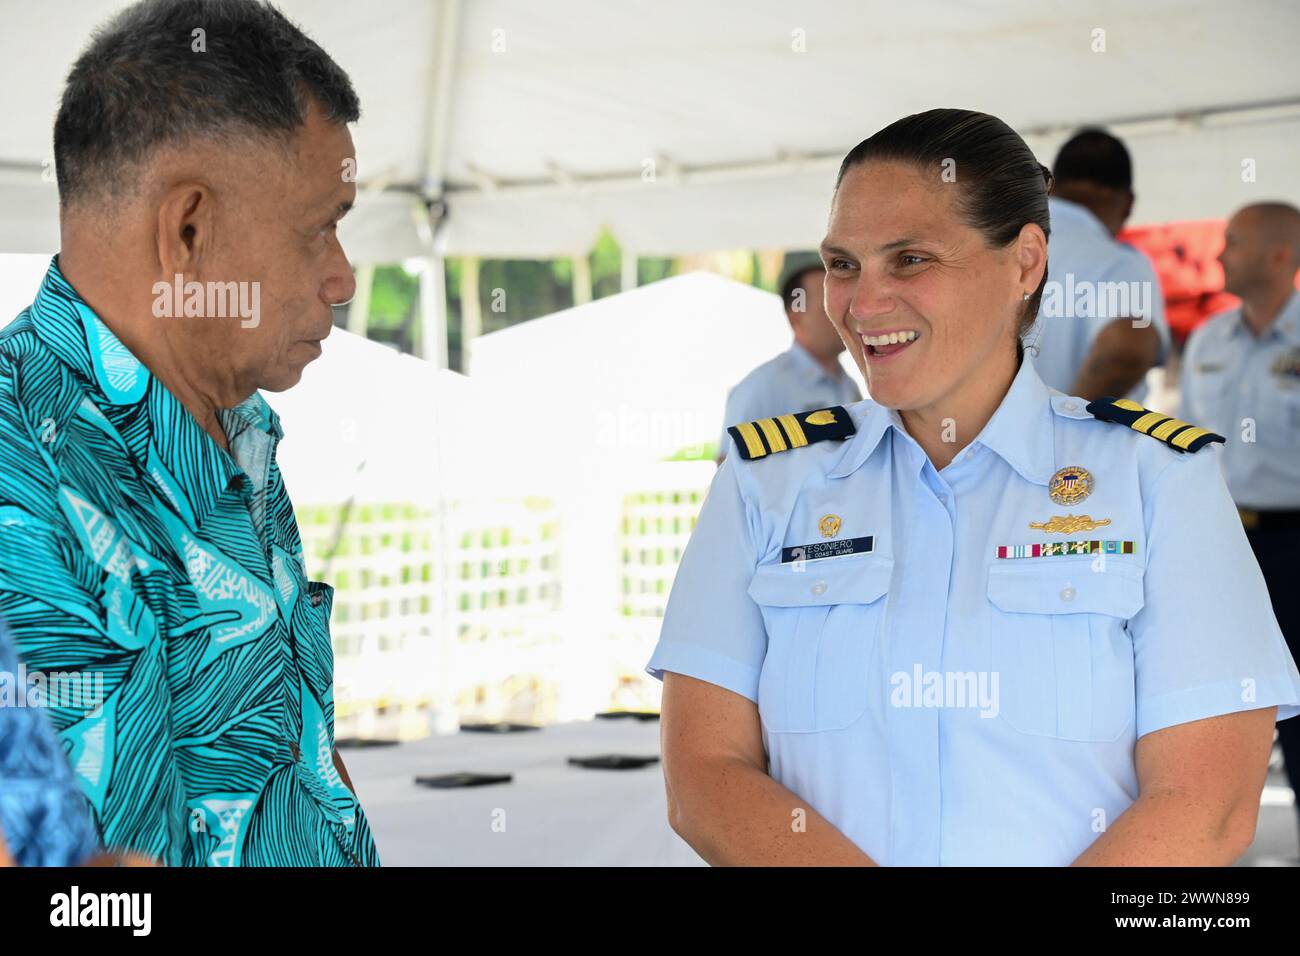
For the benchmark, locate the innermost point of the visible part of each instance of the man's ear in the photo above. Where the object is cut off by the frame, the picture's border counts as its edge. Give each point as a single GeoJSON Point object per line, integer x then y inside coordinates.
{"type": "Point", "coordinates": [1282, 257]}
{"type": "Point", "coordinates": [185, 228]}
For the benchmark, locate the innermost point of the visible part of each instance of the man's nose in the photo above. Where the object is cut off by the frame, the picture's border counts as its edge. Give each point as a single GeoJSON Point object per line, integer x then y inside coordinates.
{"type": "Point", "coordinates": [340, 287]}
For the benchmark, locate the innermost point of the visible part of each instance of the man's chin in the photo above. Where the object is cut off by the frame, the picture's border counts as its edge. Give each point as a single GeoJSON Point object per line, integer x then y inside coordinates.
{"type": "Point", "coordinates": [289, 372]}
{"type": "Point", "coordinates": [283, 379]}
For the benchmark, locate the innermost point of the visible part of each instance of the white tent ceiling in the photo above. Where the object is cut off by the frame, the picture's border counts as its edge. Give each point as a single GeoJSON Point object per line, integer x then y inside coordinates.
{"type": "Point", "coordinates": [540, 126]}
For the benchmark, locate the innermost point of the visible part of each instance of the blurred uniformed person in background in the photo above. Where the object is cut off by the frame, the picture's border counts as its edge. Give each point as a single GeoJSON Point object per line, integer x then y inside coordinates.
{"type": "Point", "coordinates": [1241, 376]}
{"type": "Point", "coordinates": [1101, 325]}
{"type": "Point", "coordinates": [972, 621]}
{"type": "Point", "coordinates": [808, 374]}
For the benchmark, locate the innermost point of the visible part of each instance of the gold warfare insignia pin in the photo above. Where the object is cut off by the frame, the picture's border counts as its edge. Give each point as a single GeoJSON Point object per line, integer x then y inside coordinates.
{"type": "Point", "coordinates": [1070, 485]}
{"type": "Point", "coordinates": [829, 526]}
{"type": "Point", "coordinates": [1069, 524]}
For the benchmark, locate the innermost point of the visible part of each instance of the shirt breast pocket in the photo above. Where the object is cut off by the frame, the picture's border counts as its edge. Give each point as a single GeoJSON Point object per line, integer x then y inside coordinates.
{"type": "Point", "coordinates": [1279, 415]}
{"type": "Point", "coordinates": [311, 634]}
{"type": "Point", "coordinates": [1209, 389]}
{"type": "Point", "coordinates": [822, 625]}
{"type": "Point", "coordinates": [1060, 648]}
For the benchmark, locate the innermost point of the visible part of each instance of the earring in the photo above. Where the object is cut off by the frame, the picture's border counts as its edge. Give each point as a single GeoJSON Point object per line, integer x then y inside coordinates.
{"type": "Point", "coordinates": [1025, 297]}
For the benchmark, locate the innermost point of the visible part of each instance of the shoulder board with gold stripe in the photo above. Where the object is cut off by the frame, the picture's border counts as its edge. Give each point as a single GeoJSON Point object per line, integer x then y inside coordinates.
{"type": "Point", "coordinates": [1174, 432]}
{"type": "Point", "coordinates": [767, 436]}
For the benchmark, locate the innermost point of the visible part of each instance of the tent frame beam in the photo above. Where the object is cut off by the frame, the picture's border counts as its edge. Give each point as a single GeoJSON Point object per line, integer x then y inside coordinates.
{"type": "Point", "coordinates": [565, 182]}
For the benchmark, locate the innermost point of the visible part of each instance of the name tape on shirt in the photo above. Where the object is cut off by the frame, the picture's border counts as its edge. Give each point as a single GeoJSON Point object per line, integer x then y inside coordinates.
{"type": "Point", "coordinates": [828, 549]}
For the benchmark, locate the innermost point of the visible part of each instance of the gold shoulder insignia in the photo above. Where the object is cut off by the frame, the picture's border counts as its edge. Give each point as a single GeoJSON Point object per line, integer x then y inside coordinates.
{"type": "Point", "coordinates": [767, 436]}
{"type": "Point", "coordinates": [1175, 433]}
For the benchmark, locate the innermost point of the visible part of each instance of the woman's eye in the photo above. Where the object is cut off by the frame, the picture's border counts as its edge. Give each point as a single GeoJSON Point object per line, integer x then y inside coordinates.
{"type": "Point", "coordinates": [910, 260]}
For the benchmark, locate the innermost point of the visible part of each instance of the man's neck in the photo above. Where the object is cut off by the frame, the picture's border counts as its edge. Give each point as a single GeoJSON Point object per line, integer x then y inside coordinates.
{"type": "Point", "coordinates": [1261, 308]}
{"type": "Point", "coordinates": [151, 349]}
{"type": "Point", "coordinates": [1094, 199]}
{"type": "Point", "coordinates": [831, 366]}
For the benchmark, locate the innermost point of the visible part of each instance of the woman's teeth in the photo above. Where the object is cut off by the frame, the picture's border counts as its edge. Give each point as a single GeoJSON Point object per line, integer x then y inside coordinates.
{"type": "Point", "coordinates": [893, 338]}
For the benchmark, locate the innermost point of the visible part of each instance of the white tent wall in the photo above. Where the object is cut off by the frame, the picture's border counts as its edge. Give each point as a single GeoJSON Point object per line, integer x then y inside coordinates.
{"type": "Point", "coordinates": [555, 110]}
{"type": "Point", "coordinates": [424, 496]}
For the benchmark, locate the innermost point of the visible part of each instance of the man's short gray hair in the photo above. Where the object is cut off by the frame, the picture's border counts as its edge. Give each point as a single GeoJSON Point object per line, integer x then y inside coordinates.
{"type": "Point", "coordinates": [150, 78]}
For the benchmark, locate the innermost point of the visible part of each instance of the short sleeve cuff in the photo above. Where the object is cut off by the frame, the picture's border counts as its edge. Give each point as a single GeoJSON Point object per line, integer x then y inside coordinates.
{"type": "Point", "coordinates": [1215, 700]}
{"type": "Point", "coordinates": [706, 665]}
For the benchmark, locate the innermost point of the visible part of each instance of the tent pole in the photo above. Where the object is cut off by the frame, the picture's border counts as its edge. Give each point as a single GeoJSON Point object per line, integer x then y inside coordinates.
{"type": "Point", "coordinates": [359, 307]}
{"type": "Point", "coordinates": [471, 309]}
{"type": "Point", "coordinates": [433, 307]}
{"type": "Point", "coordinates": [433, 310]}
{"type": "Point", "coordinates": [581, 279]}
{"type": "Point", "coordinates": [433, 280]}
{"type": "Point", "coordinates": [434, 162]}
{"type": "Point", "coordinates": [629, 269]}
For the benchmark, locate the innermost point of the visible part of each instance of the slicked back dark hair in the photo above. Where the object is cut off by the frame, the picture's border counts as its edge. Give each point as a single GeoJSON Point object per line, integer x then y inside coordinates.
{"type": "Point", "coordinates": [142, 84]}
{"type": "Point", "coordinates": [1001, 186]}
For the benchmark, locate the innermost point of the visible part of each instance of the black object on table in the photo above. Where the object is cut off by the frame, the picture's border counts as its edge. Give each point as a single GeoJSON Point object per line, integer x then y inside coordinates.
{"type": "Point", "coordinates": [613, 762]}
{"type": "Point", "coordinates": [500, 727]}
{"type": "Point", "coordinates": [360, 743]}
{"type": "Point", "coordinates": [451, 781]}
{"type": "Point", "coordinates": [642, 715]}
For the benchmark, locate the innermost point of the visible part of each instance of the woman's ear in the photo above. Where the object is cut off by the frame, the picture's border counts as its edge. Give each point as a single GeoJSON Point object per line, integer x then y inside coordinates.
{"type": "Point", "coordinates": [1031, 256]}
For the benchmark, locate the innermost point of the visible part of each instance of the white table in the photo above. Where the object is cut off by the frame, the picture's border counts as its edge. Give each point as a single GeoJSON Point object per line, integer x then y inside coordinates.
{"type": "Point", "coordinates": [552, 813]}
{"type": "Point", "coordinates": [558, 814]}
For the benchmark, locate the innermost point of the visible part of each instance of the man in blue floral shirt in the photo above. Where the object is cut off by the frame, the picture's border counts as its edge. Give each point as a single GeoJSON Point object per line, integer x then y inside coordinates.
{"type": "Point", "coordinates": [146, 537]}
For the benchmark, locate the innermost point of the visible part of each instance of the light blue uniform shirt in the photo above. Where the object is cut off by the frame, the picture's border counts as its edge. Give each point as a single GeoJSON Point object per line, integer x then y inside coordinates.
{"type": "Point", "coordinates": [1089, 652]}
{"type": "Point", "coordinates": [1248, 390]}
{"type": "Point", "coordinates": [1090, 282]}
{"type": "Point", "coordinates": [794, 381]}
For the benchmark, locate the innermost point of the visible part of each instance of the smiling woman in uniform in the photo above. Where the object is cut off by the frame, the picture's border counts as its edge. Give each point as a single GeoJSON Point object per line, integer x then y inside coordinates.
{"type": "Point", "coordinates": [970, 621]}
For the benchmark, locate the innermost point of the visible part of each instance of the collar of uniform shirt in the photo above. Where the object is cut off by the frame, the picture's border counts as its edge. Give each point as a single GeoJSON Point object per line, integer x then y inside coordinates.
{"type": "Point", "coordinates": [1021, 431]}
{"type": "Point", "coordinates": [1059, 208]}
{"type": "Point", "coordinates": [118, 382]}
{"type": "Point", "coordinates": [803, 359]}
{"type": "Point", "coordinates": [1286, 326]}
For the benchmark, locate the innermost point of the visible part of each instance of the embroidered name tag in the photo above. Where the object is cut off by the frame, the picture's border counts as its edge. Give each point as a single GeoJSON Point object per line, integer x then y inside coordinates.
{"type": "Point", "coordinates": [828, 549]}
{"type": "Point", "coordinates": [1056, 548]}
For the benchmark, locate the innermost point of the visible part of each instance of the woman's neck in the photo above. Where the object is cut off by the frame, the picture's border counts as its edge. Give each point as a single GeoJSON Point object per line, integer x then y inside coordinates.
{"type": "Point", "coordinates": [945, 427]}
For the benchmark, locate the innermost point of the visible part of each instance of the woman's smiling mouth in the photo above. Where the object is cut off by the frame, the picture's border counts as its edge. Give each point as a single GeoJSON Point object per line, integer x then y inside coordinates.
{"type": "Point", "coordinates": [886, 344]}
